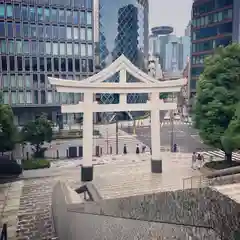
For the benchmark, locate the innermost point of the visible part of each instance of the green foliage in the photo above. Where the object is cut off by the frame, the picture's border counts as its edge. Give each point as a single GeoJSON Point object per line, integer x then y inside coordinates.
{"type": "Point", "coordinates": [37, 132]}
{"type": "Point", "coordinates": [217, 98]}
{"type": "Point", "coordinates": [7, 128]}
{"type": "Point", "coordinates": [35, 164]}
{"type": "Point", "coordinates": [163, 95]}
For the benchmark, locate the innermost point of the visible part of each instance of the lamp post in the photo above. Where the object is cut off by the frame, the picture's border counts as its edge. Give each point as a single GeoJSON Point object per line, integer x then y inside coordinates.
{"type": "Point", "coordinates": [172, 127]}
{"type": "Point", "coordinates": [116, 134]}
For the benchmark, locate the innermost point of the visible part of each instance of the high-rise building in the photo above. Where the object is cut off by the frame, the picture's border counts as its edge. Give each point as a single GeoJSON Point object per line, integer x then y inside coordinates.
{"type": "Point", "coordinates": [214, 23]}
{"type": "Point", "coordinates": [121, 27]}
{"type": "Point", "coordinates": [40, 39]}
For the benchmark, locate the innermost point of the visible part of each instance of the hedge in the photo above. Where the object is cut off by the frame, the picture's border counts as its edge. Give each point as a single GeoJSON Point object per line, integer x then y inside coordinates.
{"type": "Point", "coordinates": [35, 164]}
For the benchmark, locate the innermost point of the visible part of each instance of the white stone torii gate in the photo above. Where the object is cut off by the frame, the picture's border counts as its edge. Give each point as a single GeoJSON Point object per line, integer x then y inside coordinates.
{"type": "Point", "coordinates": [95, 84]}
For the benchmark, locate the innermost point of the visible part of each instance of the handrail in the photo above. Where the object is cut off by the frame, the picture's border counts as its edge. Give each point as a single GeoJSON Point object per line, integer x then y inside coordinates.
{"type": "Point", "coordinates": [4, 232]}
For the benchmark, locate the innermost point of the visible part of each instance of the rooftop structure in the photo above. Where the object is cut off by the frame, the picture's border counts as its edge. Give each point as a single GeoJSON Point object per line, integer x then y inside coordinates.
{"type": "Point", "coordinates": [162, 30]}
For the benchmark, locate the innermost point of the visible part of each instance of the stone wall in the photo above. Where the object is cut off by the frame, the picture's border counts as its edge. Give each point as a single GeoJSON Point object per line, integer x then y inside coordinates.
{"type": "Point", "coordinates": [195, 212]}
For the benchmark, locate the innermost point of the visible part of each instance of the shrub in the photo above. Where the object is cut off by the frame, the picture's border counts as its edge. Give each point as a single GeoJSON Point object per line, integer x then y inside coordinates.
{"type": "Point", "coordinates": [9, 167]}
{"type": "Point", "coordinates": [218, 165]}
{"type": "Point", "coordinates": [36, 164]}
{"type": "Point", "coordinates": [72, 134]}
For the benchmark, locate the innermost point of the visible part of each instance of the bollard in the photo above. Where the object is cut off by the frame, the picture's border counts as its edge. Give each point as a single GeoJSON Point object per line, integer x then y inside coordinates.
{"type": "Point", "coordinates": [137, 149]}
{"type": "Point", "coordinates": [67, 153]}
{"type": "Point", "coordinates": [57, 154]}
{"type": "Point", "coordinates": [110, 150]}
{"type": "Point", "coordinates": [101, 151]}
{"type": "Point", "coordinates": [124, 149]}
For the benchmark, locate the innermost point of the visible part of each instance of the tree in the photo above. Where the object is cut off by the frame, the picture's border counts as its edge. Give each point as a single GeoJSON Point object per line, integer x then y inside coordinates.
{"type": "Point", "coordinates": [215, 112]}
{"type": "Point", "coordinates": [7, 128]}
{"type": "Point", "coordinates": [37, 132]}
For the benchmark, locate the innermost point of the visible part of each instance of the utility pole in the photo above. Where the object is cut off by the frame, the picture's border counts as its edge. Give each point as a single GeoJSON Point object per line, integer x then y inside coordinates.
{"type": "Point", "coordinates": [107, 141]}
{"type": "Point", "coordinates": [116, 134]}
{"type": "Point", "coordinates": [171, 140]}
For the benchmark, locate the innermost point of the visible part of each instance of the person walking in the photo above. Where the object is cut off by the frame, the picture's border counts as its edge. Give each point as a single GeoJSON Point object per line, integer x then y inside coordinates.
{"type": "Point", "coordinates": [199, 161]}
{"type": "Point", "coordinates": [194, 158]}
{"type": "Point", "coordinates": [137, 149]}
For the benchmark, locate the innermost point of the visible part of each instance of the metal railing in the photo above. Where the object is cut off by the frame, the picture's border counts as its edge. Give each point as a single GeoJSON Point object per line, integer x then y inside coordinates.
{"type": "Point", "coordinates": [4, 232]}
{"type": "Point", "coordinates": [195, 182]}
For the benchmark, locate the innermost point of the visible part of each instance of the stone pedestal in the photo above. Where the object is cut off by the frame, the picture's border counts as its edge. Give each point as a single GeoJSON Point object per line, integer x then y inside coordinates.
{"type": "Point", "coordinates": [86, 174]}
{"type": "Point", "coordinates": [156, 166]}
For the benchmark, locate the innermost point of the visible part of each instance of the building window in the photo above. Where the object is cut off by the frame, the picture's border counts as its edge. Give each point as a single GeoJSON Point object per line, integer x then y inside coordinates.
{"type": "Point", "coordinates": [40, 14]}
{"type": "Point", "coordinates": [2, 11]}
{"type": "Point", "coordinates": [70, 65]}
{"type": "Point", "coordinates": [89, 4]}
{"type": "Point", "coordinates": [76, 49]}
{"type": "Point", "coordinates": [13, 81]}
{"type": "Point", "coordinates": [5, 81]}
{"type": "Point", "coordinates": [25, 13]}
{"type": "Point", "coordinates": [19, 64]}
{"type": "Point", "coordinates": [54, 15]}
{"type": "Point", "coordinates": [10, 30]}
{"type": "Point", "coordinates": [19, 47]}
{"type": "Point", "coordinates": [49, 64]}
{"type": "Point", "coordinates": [48, 48]}
{"type": "Point", "coordinates": [2, 29]}
{"type": "Point", "coordinates": [34, 47]}
{"type": "Point", "coordinates": [33, 31]}
{"type": "Point", "coordinates": [77, 65]}
{"type": "Point", "coordinates": [32, 14]}
{"type": "Point", "coordinates": [48, 32]}
{"type": "Point", "coordinates": [9, 11]}
{"type": "Point", "coordinates": [62, 32]}
{"type": "Point", "coordinates": [41, 47]}
{"type": "Point", "coordinates": [35, 81]}
{"type": "Point", "coordinates": [89, 34]}
{"type": "Point", "coordinates": [62, 16]}
{"type": "Point", "coordinates": [3, 47]}
{"type": "Point", "coordinates": [34, 64]}
{"type": "Point", "coordinates": [83, 50]}
{"type": "Point", "coordinates": [47, 14]}
{"type": "Point", "coordinates": [69, 16]}
{"type": "Point", "coordinates": [26, 47]}
{"type": "Point", "coordinates": [4, 63]}
{"type": "Point", "coordinates": [20, 81]}
{"type": "Point", "coordinates": [55, 64]}
{"type": "Point", "coordinates": [27, 64]}
{"type": "Point", "coordinates": [90, 50]}
{"type": "Point", "coordinates": [69, 49]}
{"type": "Point", "coordinates": [12, 63]}
{"type": "Point", "coordinates": [18, 30]}
{"type": "Point", "coordinates": [62, 49]}
{"type": "Point", "coordinates": [40, 31]}
{"type": "Point", "coordinates": [75, 33]}
{"type": "Point", "coordinates": [69, 33]}
{"type": "Point", "coordinates": [84, 65]}
{"type": "Point", "coordinates": [11, 47]}
{"type": "Point", "coordinates": [63, 65]}
{"type": "Point", "coordinates": [55, 48]}
{"type": "Point", "coordinates": [49, 97]}
{"type": "Point", "coordinates": [28, 81]}
{"type": "Point", "coordinates": [55, 32]}
{"type": "Point", "coordinates": [21, 99]}
{"type": "Point", "coordinates": [82, 17]}
{"type": "Point", "coordinates": [89, 18]}
{"type": "Point", "coordinates": [82, 33]}
{"type": "Point", "coordinates": [14, 97]}
{"type": "Point", "coordinates": [35, 97]}
{"type": "Point", "coordinates": [43, 97]}
{"type": "Point", "coordinates": [17, 12]}
{"type": "Point", "coordinates": [29, 97]}
{"type": "Point", "coordinates": [90, 65]}
{"type": "Point", "coordinates": [75, 17]}
{"type": "Point", "coordinates": [25, 30]}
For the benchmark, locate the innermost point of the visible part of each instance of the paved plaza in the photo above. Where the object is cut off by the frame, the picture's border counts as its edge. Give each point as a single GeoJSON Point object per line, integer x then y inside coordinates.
{"type": "Point", "coordinates": [30, 197]}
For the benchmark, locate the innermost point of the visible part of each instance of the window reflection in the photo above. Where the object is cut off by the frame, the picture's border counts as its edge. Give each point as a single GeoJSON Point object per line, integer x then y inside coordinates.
{"type": "Point", "coordinates": [69, 49]}
{"type": "Point", "coordinates": [89, 34]}
{"type": "Point", "coordinates": [90, 65]}
{"type": "Point", "coordinates": [55, 64]}
{"type": "Point", "coordinates": [47, 14]}
{"type": "Point", "coordinates": [69, 33]}
{"type": "Point", "coordinates": [54, 15]}
{"type": "Point", "coordinates": [11, 47]}
{"type": "Point", "coordinates": [25, 30]}
{"type": "Point", "coordinates": [89, 18]}
{"type": "Point", "coordinates": [62, 16]}
{"type": "Point", "coordinates": [25, 13]}
{"type": "Point", "coordinates": [4, 63]}
{"type": "Point", "coordinates": [34, 64]}
{"type": "Point", "coordinates": [2, 11]}
{"type": "Point", "coordinates": [75, 17]}
{"type": "Point", "coordinates": [69, 16]}
{"type": "Point", "coordinates": [10, 30]}
{"type": "Point", "coordinates": [83, 50]}
{"type": "Point", "coordinates": [2, 29]}
{"type": "Point", "coordinates": [70, 65]}
{"type": "Point", "coordinates": [33, 31]}
{"type": "Point", "coordinates": [49, 64]}
{"type": "Point", "coordinates": [19, 47]}
{"type": "Point", "coordinates": [26, 47]}
{"type": "Point", "coordinates": [77, 65]}
{"type": "Point", "coordinates": [9, 11]}
{"type": "Point", "coordinates": [40, 14]}
{"type": "Point", "coordinates": [27, 64]}
{"type": "Point", "coordinates": [90, 50]}
{"type": "Point", "coordinates": [62, 49]}
{"type": "Point", "coordinates": [76, 49]}
{"type": "Point", "coordinates": [12, 63]}
{"type": "Point", "coordinates": [83, 17]}
{"type": "Point", "coordinates": [82, 33]}
{"type": "Point", "coordinates": [34, 48]}
{"type": "Point", "coordinates": [41, 64]}
{"type": "Point", "coordinates": [32, 13]}
{"type": "Point", "coordinates": [18, 30]}
{"type": "Point", "coordinates": [17, 11]}
{"type": "Point", "coordinates": [84, 65]}
{"type": "Point", "coordinates": [19, 64]}
{"type": "Point", "coordinates": [40, 31]}
{"type": "Point", "coordinates": [63, 64]}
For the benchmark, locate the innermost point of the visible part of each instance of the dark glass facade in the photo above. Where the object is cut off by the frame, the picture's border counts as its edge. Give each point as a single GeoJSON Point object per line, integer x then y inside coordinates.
{"type": "Point", "coordinates": [123, 29]}
{"type": "Point", "coordinates": [40, 39]}
{"type": "Point", "coordinates": [213, 24]}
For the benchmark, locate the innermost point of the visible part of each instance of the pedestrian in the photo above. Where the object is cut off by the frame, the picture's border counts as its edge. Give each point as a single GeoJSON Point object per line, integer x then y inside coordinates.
{"type": "Point", "coordinates": [194, 158]}
{"type": "Point", "coordinates": [137, 149]}
{"type": "Point", "coordinates": [199, 161]}
{"type": "Point", "coordinates": [124, 149]}
{"type": "Point", "coordinates": [143, 148]}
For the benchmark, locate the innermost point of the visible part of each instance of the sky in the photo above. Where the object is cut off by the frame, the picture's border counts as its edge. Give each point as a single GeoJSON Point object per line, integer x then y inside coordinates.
{"type": "Point", "coordinates": [175, 13]}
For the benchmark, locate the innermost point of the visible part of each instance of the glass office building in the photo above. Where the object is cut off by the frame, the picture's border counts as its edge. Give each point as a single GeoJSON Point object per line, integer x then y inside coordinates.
{"type": "Point", "coordinates": [41, 38]}
{"type": "Point", "coordinates": [122, 29]}
{"type": "Point", "coordinates": [214, 23]}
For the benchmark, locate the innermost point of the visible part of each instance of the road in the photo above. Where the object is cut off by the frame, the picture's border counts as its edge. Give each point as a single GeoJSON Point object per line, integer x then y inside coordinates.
{"type": "Point", "coordinates": [184, 136]}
